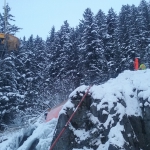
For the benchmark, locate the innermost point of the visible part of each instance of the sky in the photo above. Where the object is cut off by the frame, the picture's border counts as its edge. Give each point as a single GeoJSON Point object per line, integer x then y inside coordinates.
{"type": "Point", "coordinates": [38, 16]}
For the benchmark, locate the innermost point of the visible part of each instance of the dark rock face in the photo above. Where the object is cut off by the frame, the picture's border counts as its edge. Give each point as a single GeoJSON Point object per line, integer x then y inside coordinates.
{"type": "Point", "coordinates": [98, 125]}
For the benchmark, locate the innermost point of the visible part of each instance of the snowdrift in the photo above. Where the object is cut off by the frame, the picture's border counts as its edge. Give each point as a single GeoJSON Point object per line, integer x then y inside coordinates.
{"type": "Point", "coordinates": [114, 116]}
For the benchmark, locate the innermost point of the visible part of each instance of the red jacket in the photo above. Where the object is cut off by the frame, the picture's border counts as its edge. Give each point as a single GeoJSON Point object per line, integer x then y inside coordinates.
{"type": "Point", "coordinates": [136, 64]}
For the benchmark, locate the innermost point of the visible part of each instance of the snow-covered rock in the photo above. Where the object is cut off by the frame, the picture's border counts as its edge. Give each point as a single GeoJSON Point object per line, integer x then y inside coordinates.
{"type": "Point", "coordinates": [113, 116]}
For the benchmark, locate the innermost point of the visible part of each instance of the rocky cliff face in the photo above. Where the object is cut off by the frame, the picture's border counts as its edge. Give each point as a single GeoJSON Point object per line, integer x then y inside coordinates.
{"type": "Point", "coordinates": [113, 116]}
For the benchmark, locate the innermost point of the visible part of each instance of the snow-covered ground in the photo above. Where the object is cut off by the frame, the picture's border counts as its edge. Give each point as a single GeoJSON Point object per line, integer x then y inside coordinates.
{"type": "Point", "coordinates": [42, 131]}
{"type": "Point", "coordinates": [123, 87]}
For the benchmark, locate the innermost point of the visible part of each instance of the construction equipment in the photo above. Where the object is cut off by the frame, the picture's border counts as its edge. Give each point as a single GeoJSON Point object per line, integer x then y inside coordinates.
{"type": "Point", "coordinates": [8, 42]}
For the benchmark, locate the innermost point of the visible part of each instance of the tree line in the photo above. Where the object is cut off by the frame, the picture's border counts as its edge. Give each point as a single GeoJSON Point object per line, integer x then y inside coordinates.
{"type": "Point", "coordinates": [42, 73]}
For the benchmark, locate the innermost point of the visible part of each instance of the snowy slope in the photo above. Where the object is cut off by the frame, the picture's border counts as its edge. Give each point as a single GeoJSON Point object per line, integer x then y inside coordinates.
{"type": "Point", "coordinates": [41, 131]}
{"type": "Point", "coordinates": [126, 95]}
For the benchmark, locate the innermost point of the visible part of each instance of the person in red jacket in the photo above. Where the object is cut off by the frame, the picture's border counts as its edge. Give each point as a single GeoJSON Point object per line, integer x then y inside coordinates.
{"type": "Point", "coordinates": [136, 64]}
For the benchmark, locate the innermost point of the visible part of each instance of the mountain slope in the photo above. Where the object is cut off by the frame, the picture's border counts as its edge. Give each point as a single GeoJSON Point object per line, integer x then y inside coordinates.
{"type": "Point", "coordinates": [114, 116]}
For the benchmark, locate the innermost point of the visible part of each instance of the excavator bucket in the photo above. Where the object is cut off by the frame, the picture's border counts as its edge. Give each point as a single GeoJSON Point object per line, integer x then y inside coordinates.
{"type": "Point", "coordinates": [2, 35]}
{"type": "Point", "coordinates": [12, 42]}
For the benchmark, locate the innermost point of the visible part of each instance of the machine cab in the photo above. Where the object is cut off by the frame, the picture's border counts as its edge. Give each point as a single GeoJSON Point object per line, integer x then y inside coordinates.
{"type": "Point", "coordinates": [8, 42]}
{"type": "Point", "coordinates": [12, 42]}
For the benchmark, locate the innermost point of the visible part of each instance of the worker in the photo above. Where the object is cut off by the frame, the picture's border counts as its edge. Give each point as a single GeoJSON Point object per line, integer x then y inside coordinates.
{"type": "Point", "coordinates": [142, 67]}
{"type": "Point", "coordinates": [136, 64]}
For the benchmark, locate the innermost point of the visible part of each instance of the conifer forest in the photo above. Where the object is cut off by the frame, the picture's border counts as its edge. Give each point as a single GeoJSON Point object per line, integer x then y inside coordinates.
{"type": "Point", "coordinates": [42, 73]}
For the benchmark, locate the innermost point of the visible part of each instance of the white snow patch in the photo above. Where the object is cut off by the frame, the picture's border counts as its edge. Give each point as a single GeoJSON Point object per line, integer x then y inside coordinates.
{"type": "Point", "coordinates": [69, 105]}
{"type": "Point", "coordinates": [79, 89]}
{"type": "Point", "coordinates": [43, 132]}
{"type": "Point", "coordinates": [84, 148]}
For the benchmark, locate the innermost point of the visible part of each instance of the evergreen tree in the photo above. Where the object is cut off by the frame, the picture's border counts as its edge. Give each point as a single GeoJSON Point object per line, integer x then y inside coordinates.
{"type": "Point", "coordinates": [111, 43]}
{"type": "Point", "coordinates": [10, 97]}
{"type": "Point", "coordinates": [144, 28]}
{"type": "Point", "coordinates": [7, 17]}
{"type": "Point", "coordinates": [65, 50]}
{"type": "Point", "coordinates": [92, 60]}
{"type": "Point", "coordinates": [74, 73]}
{"type": "Point", "coordinates": [60, 52]}
{"type": "Point", "coordinates": [133, 48]}
{"type": "Point", "coordinates": [124, 37]}
{"type": "Point", "coordinates": [54, 54]}
{"type": "Point", "coordinates": [100, 20]}
{"type": "Point", "coordinates": [50, 41]}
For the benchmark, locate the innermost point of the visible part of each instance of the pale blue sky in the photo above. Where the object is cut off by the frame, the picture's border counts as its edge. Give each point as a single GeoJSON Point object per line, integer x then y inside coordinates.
{"type": "Point", "coordinates": [38, 16]}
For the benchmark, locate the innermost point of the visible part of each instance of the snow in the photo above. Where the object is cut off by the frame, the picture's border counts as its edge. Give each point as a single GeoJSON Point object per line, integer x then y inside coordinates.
{"type": "Point", "coordinates": [79, 89]}
{"type": "Point", "coordinates": [120, 93]}
{"type": "Point", "coordinates": [5, 98]}
{"type": "Point", "coordinates": [123, 88]}
{"type": "Point", "coordinates": [105, 112]}
{"type": "Point", "coordinates": [84, 148]}
{"type": "Point", "coordinates": [81, 134]}
{"type": "Point", "coordinates": [43, 131]}
{"type": "Point", "coordinates": [115, 137]}
{"type": "Point", "coordinates": [68, 104]}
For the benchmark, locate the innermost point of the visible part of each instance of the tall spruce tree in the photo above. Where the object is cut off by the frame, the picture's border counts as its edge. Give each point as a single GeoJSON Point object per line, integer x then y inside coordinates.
{"type": "Point", "coordinates": [8, 18]}
{"type": "Point", "coordinates": [101, 22]}
{"type": "Point", "coordinates": [10, 97]}
{"type": "Point", "coordinates": [133, 31]}
{"type": "Point", "coordinates": [144, 29]}
{"type": "Point", "coordinates": [124, 37]}
{"type": "Point", "coordinates": [92, 62]}
{"type": "Point", "coordinates": [74, 57]}
{"type": "Point", "coordinates": [111, 42]}
{"type": "Point", "coordinates": [65, 50]}
{"type": "Point", "coordinates": [50, 41]}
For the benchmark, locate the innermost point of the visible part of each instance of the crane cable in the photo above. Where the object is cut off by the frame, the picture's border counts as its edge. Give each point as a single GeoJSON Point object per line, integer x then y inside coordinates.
{"type": "Point", "coordinates": [5, 14]}
{"type": "Point", "coordinates": [4, 48]}
{"type": "Point", "coordinates": [5, 32]}
{"type": "Point", "coordinates": [64, 128]}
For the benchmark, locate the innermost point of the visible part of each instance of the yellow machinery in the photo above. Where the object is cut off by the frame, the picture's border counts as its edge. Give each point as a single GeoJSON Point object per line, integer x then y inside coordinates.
{"type": "Point", "coordinates": [9, 41]}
